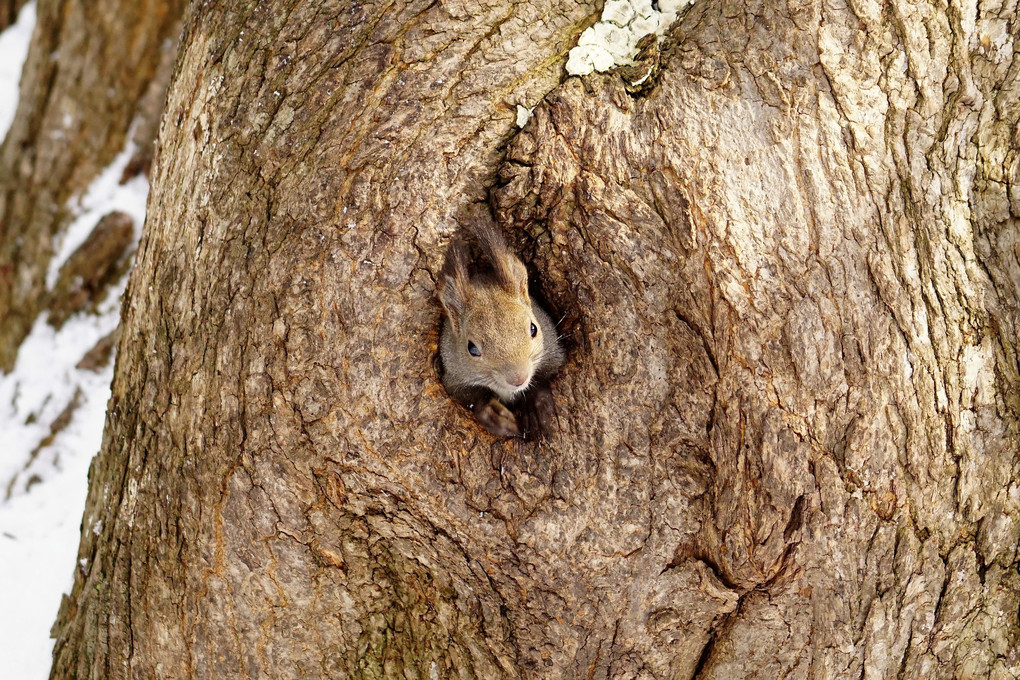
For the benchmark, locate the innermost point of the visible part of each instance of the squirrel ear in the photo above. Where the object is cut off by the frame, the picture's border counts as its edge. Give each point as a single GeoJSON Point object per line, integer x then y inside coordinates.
{"type": "Point", "coordinates": [453, 282]}
{"type": "Point", "coordinates": [510, 271]}
{"type": "Point", "coordinates": [517, 274]}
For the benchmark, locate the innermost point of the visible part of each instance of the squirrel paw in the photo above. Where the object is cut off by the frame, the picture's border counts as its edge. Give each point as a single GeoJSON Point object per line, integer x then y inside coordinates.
{"type": "Point", "coordinates": [496, 418]}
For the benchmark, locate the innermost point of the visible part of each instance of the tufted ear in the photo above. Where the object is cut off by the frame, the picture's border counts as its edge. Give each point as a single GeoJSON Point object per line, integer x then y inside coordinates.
{"type": "Point", "coordinates": [516, 275]}
{"type": "Point", "coordinates": [453, 283]}
{"type": "Point", "coordinates": [510, 271]}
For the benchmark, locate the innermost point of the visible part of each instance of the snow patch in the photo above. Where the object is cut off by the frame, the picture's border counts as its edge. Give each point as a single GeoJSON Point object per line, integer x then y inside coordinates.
{"type": "Point", "coordinates": [14, 43]}
{"type": "Point", "coordinates": [104, 195]}
{"type": "Point", "coordinates": [613, 40]}
{"type": "Point", "coordinates": [40, 518]}
{"type": "Point", "coordinates": [39, 528]}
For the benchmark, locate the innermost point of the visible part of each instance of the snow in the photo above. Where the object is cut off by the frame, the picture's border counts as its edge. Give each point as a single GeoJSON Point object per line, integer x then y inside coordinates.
{"type": "Point", "coordinates": [105, 194]}
{"type": "Point", "coordinates": [13, 51]}
{"type": "Point", "coordinates": [613, 40]}
{"type": "Point", "coordinates": [43, 489]}
{"type": "Point", "coordinates": [39, 522]}
{"type": "Point", "coordinates": [39, 525]}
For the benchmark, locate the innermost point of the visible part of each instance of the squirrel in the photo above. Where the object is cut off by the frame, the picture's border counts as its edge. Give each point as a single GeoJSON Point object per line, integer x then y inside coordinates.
{"type": "Point", "coordinates": [498, 348]}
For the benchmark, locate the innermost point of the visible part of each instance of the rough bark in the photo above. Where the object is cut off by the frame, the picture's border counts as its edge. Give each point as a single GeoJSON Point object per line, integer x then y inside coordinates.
{"type": "Point", "coordinates": [90, 269]}
{"type": "Point", "coordinates": [788, 428]}
{"type": "Point", "coordinates": [9, 12]}
{"type": "Point", "coordinates": [94, 67]}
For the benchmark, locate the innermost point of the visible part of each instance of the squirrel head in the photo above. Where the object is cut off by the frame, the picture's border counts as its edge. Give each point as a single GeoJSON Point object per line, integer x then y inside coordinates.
{"type": "Point", "coordinates": [497, 337]}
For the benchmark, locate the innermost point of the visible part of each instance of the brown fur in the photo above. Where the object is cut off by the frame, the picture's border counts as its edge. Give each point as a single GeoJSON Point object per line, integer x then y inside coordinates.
{"type": "Point", "coordinates": [493, 311]}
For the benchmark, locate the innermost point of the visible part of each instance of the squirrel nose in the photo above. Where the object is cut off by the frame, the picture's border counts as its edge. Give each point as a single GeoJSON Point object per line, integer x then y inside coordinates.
{"type": "Point", "coordinates": [518, 379]}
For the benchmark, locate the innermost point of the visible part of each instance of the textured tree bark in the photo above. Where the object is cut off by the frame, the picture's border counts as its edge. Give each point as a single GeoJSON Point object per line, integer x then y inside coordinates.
{"type": "Point", "coordinates": [94, 67]}
{"type": "Point", "coordinates": [9, 12]}
{"type": "Point", "coordinates": [788, 428]}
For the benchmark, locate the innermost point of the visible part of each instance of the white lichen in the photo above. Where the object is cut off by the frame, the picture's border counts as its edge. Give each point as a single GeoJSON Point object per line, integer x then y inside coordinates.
{"type": "Point", "coordinates": [613, 40]}
{"type": "Point", "coordinates": [524, 115]}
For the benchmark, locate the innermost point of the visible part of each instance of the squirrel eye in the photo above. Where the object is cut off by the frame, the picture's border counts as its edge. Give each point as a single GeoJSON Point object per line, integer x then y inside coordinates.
{"type": "Point", "coordinates": [534, 329]}
{"type": "Point", "coordinates": [475, 352]}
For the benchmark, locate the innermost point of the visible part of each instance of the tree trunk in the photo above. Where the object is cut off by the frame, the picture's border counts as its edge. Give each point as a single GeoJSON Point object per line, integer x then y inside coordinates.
{"type": "Point", "coordinates": [94, 67]}
{"type": "Point", "coordinates": [787, 432]}
{"type": "Point", "coordinates": [9, 12]}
